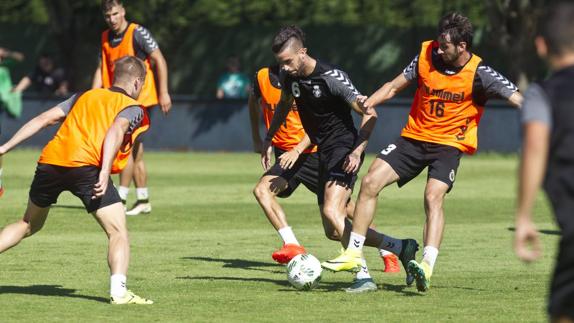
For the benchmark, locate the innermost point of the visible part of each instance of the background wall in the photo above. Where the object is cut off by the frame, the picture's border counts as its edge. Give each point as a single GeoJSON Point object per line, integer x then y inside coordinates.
{"type": "Point", "coordinates": [224, 126]}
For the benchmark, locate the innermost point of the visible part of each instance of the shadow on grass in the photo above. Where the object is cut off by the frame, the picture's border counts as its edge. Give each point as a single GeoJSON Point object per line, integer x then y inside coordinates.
{"type": "Point", "coordinates": [49, 290]}
{"type": "Point", "coordinates": [241, 264]}
{"type": "Point", "coordinates": [323, 286]}
{"type": "Point", "coordinates": [549, 232]}
{"type": "Point", "coordinates": [400, 289]}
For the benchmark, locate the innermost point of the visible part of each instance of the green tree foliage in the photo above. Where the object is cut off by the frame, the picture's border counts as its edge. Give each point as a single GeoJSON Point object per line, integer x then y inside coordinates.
{"type": "Point", "coordinates": [373, 39]}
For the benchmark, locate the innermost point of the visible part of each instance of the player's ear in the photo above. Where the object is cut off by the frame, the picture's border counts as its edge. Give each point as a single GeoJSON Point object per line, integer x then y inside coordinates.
{"type": "Point", "coordinates": [462, 46]}
{"type": "Point", "coordinates": [303, 50]}
{"type": "Point", "coordinates": [541, 47]}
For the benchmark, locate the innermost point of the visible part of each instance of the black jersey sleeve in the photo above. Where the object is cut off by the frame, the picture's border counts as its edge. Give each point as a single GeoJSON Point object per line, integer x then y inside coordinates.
{"type": "Point", "coordinates": [144, 41]}
{"type": "Point", "coordinates": [66, 105]}
{"type": "Point", "coordinates": [411, 72]}
{"type": "Point", "coordinates": [340, 85]}
{"type": "Point", "coordinates": [255, 89]}
{"type": "Point", "coordinates": [489, 84]}
{"type": "Point", "coordinates": [134, 114]}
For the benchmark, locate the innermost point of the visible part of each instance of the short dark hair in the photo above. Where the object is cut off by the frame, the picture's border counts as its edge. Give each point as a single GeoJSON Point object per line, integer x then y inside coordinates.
{"type": "Point", "coordinates": [284, 35]}
{"type": "Point", "coordinates": [129, 67]}
{"type": "Point", "coordinates": [557, 28]}
{"type": "Point", "coordinates": [107, 5]}
{"type": "Point", "coordinates": [458, 27]}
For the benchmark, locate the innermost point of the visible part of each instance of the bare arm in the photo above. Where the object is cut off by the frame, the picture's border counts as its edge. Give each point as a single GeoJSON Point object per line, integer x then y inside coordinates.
{"type": "Point", "coordinates": [516, 99]}
{"type": "Point", "coordinates": [48, 118]}
{"type": "Point", "coordinates": [281, 112]}
{"type": "Point", "coordinates": [387, 91]}
{"type": "Point", "coordinates": [97, 80]}
{"type": "Point", "coordinates": [112, 142]}
{"type": "Point", "coordinates": [368, 123]}
{"type": "Point", "coordinates": [162, 77]}
{"type": "Point", "coordinates": [531, 173]}
{"type": "Point", "coordinates": [254, 115]}
{"type": "Point", "coordinates": [24, 83]}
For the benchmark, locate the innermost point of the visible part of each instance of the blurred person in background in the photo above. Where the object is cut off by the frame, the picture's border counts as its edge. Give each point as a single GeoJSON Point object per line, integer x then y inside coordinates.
{"type": "Point", "coordinates": [233, 84]}
{"type": "Point", "coordinates": [46, 79]}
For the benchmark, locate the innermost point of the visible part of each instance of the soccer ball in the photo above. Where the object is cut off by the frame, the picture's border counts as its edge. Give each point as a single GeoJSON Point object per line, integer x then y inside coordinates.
{"type": "Point", "coordinates": [304, 272]}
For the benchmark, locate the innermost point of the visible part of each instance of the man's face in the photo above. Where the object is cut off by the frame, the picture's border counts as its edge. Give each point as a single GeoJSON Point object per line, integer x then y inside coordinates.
{"type": "Point", "coordinates": [448, 51]}
{"type": "Point", "coordinates": [115, 17]}
{"type": "Point", "coordinates": [290, 60]}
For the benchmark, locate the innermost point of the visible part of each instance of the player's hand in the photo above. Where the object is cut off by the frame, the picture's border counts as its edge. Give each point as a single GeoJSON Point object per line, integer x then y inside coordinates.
{"type": "Point", "coordinates": [527, 241]}
{"type": "Point", "coordinates": [165, 102]}
{"type": "Point", "coordinates": [363, 100]}
{"type": "Point", "coordinates": [2, 150]}
{"type": "Point", "coordinates": [101, 186]}
{"type": "Point", "coordinates": [288, 158]}
{"type": "Point", "coordinates": [352, 162]}
{"type": "Point", "coordinates": [266, 155]}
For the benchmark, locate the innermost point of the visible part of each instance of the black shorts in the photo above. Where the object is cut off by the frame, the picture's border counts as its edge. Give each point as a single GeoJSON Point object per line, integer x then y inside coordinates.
{"type": "Point", "coordinates": [305, 170]}
{"type": "Point", "coordinates": [50, 180]}
{"type": "Point", "coordinates": [560, 191]}
{"type": "Point", "coordinates": [331, 169]}
{"type": "Point", "coordinates": [408, 158]}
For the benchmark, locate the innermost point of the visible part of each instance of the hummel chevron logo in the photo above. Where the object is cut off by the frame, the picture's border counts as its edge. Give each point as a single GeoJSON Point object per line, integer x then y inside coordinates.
{"type": "Point", "coordinates": [340, 76]}
{"type": "Point", "coordinates": [356, 243]}
{"type": "Point", "coordinates": [390, 245]}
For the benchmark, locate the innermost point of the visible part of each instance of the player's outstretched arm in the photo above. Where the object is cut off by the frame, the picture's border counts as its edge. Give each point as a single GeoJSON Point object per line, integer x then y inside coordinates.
{"type": "Point", "coordinates": [48, 118]}
{"type": "Point", "coordinates": [161, 66]}
{"type": "Point", "coordinates": [516, 99]}
{"type": "Point", "coordinates": [254, 117]}
{"type": "Point", "coordinates": [368, 123]}
{"type": "Point", "coordinates": [112, 142]}
{"type": "Point", "coordinates": [97, 79]}
{"type": "Point", "coordinates": [281, 112]}
{"type": "Point", "coordinates": [387, 91]}
{"type": "Point", "coordinates": [531, 173]}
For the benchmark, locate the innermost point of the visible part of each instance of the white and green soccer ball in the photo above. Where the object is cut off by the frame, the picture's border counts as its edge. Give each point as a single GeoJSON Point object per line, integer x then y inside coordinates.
{"type": "Point", "coordinates": [304, 272]}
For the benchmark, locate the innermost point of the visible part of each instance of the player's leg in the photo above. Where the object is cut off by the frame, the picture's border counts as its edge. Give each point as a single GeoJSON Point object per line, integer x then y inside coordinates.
{"type": "Point", "coordinates": [395, 163]}
{"type": "Point", "coordinates": [279, 182]}
{"type": "Point", "coordinates": [389, 259]}
{"type": "Point", "coordinates": [126, 179]}
{"type": "Point", "coordinates": [441, 177]}
{"type": "Point", "coordinates": [32, 222]}
{"type": "Point", "coordinates": [142, 204]}
{"type": "Point", "coordinates": [1, 187]}
{"type": "Point", "coordinates": [108, 210]}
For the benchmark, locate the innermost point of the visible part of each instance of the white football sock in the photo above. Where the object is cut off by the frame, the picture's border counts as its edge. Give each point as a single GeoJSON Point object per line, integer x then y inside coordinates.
{"type": "Point", "coordinates": [384, 252]}
{"type": "Point", "coordinates": [356, 242]}
{"type": "Point", "coordinates": [391, 244]}
{"type": "Point", "coordinates": [429, 255]}
{"type": "Point", "coordinates": [364, 272]}
{"type": "Point", "coordinates": [123, 191]}
{"type": "Point", "coordinates": [118, 285]}
{"type": "Point", "coordinates": [287, 235]}
{"type": "Point", "coordinates": [141, 193]}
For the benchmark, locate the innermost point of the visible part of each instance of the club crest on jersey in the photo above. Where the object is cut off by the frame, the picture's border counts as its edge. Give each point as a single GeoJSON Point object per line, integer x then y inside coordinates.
{"type": "Point", "coordinates": [316, 91]}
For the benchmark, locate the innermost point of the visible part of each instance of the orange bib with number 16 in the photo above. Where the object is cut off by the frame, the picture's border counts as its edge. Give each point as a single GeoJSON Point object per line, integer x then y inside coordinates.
{"type": "Point", "coordinates": [443, 111]}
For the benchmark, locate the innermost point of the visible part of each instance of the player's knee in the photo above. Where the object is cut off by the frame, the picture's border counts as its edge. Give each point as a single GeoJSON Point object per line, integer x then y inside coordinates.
{"type": "Point", "coordinates": [433, 198]}
{"type": "Point", "coordinates": [369, 186]}
{"type": "Point", "coordinates": [261, 191]}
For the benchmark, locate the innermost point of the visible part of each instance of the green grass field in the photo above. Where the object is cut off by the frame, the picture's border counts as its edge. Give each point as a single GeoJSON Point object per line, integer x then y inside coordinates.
{"type": "Point", "coordinates": [204, 254]}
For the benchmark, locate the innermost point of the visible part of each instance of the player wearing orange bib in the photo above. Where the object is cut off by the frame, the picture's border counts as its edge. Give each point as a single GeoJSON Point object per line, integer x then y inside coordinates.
{"type": "Point", "coordinates": [130, 39]}
{"type": "Point", "coordinates": [453, 85]}
{"type": "Point", "coordinates": [96, 137]}
{"type": "Point", "coordinates": [296, 160]}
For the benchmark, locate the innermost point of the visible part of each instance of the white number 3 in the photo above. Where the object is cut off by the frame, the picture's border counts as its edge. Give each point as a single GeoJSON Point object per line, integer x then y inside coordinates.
{"type": "Point", "coordinates": [388, 150]}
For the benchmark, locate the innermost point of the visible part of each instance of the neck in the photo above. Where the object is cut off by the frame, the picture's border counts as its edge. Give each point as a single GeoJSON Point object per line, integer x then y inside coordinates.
{"type": "Point", "coordinates": [310, 66]}
{"type": "Point", "coordinates": [123, 27]}
{"type": "Point", "coordinates": [562, 61]}
{"type": "Point", "coordinates": [122, 86]}
{"type": "Point", "coordinates": [462, 59]}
